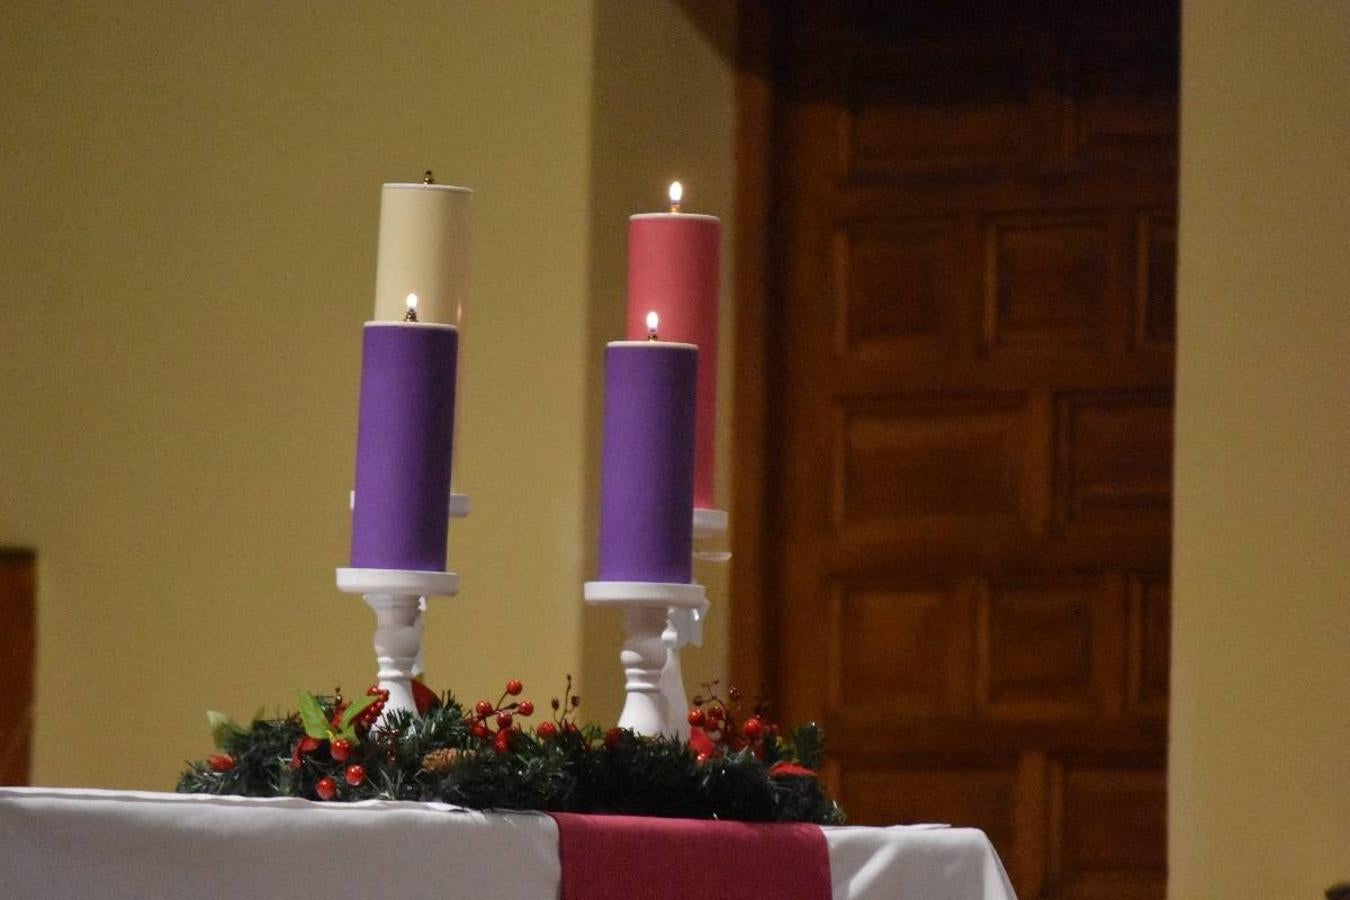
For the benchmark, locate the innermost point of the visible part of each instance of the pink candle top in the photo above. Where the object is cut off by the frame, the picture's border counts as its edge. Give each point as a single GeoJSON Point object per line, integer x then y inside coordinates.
{"type": "Point", "coordinates": [674, 264]}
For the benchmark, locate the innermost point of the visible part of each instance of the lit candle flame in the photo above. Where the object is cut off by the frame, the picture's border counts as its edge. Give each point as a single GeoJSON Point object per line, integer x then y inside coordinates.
{"type": "Point", "coordinates": [676, 195]}
{"type": "Point", "coordinates": [411, 314]}
{"type": "Point", "coordinates": [652, 321]}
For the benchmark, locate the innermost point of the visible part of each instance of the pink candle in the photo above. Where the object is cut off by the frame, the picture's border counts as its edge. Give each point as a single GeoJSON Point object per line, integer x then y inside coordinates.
{"type": "Point", "coordinates": [674, 262]}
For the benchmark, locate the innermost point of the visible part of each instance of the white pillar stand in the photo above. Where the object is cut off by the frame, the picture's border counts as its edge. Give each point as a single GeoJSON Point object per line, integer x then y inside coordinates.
{"type": "Point", "coordinates": [644, 655]}
{"type": "Point", "coordinates": [459, 509]}
{"type": "Point", "coordinates": [397, 596]}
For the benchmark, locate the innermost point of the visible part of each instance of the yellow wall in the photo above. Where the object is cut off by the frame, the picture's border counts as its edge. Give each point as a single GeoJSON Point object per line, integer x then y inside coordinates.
{"type": "Point", "coordinates": [664, 110]}
{"type": "Point", "coordinates": [188, 207]}
{"type": "Point", "coordinates": [1260, 757]}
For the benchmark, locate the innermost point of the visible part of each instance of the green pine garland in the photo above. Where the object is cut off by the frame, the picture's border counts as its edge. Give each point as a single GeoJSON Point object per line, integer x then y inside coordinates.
{"type": "Point", "coordinates": [435, 757]}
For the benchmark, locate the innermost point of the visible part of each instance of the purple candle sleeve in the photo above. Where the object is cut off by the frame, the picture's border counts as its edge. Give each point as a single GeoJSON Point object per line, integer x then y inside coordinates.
{"type": "Point", "coordinates": [647, 484]}
{"type": "Point", "coordinates": [404, 445]}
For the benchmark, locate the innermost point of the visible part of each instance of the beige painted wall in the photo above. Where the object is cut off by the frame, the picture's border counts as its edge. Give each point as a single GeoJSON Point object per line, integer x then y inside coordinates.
{"type": "Point", "coordinates": [664, 110]}
{"type": "Point", "coordinates": [188, 209]}
{"type": "Point", "coordinates": [1259, 803]}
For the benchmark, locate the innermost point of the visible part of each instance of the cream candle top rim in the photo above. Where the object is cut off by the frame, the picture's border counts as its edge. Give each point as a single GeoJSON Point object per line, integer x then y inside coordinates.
{"type": "Point", "coordinates": [391, 323]}
{"type": "Point", "coordinates": [675, 345]}
{"type": "Point", "coordinates": [703, 217]}
{"type": "Point", "coordinates": [417, 185]}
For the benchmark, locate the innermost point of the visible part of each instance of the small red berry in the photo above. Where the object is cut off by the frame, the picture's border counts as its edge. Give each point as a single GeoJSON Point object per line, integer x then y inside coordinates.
{"type": "Point", "coordinates": [503, 720]}
{"type": "Point", "coordinates": [547, 731]}
{"type": "Point", "coordinates": [716, 714]}
{"type": "Point", "coordinates": [514, 687]}
{"type": "Point", "coordinates": [479, 730]}
{"type": "Point", "coordinates": [326, 788]}
{"type": "Point", "coordinates": [340, 749]}
{"type": "Point", "coordinates": [525, 708]}
{"type": "Point", "coordinates": [355, 774]}
{"type": "Point", "coordinates": [483, 708]}
{"type": "Point", "coordinates": [613, 737]}
{"type": "Point", "coordinates": [753, 729]}
{"type": "Point", "coordinates": [502, 742]}
{"type": "Point", "coordinates": [220, 763]}
{"type": "Point", "coordinates": [697, 717]}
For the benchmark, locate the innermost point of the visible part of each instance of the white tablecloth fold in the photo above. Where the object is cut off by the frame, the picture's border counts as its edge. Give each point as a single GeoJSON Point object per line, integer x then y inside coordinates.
{"type": "Point", "coordinates": [76, 843]}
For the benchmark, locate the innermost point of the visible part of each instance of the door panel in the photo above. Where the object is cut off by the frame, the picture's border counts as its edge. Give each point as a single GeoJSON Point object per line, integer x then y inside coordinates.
{"type": "Point", "coordinates": [969, 422]}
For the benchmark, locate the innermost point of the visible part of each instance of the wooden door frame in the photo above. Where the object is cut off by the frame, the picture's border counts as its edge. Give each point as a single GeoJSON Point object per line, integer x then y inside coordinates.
{"type": "Point", "coordinates": [752, 619]}
{"type": "Point", "coordinates": [16, 747]}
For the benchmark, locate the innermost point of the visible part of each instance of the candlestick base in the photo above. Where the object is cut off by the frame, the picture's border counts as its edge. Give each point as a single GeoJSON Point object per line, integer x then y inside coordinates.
{"type": "Point", "coordinates": [398, 597]}
{"type": "Point", "coordinates": [651, 707]}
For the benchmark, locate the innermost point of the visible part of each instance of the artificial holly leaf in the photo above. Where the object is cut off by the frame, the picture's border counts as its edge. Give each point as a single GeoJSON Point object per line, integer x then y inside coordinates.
{"type": "Point", "coordinates": [358, 706]}
{"type": "Point", "coordinates": [311, 715]}
{"type": "Point", "coordinates": [222, 727]}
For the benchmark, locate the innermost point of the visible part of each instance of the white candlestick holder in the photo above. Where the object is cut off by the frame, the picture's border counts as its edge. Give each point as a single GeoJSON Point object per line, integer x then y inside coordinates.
{"type": "Point", "coordinates": [459, 509]}
{"type": "Point", "coordinates": [710, 535]}
{"type": "Point", "coordinates": [398, 597]}
{"type": "Point", "coordinates": [650, 707]}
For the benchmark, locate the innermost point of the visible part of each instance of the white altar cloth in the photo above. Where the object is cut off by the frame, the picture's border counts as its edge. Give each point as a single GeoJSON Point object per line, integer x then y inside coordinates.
{"type": "Point", "coordinates": [77, 843]}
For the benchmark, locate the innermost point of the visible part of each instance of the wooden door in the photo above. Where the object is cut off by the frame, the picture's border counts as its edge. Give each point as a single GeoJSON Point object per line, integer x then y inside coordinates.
{"type": "Point", "coordinates": [16, 663]}
{"type": "Point", "coordinates": [967, 423]}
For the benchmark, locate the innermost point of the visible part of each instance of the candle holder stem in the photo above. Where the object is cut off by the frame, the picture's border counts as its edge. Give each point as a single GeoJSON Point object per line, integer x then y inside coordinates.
{"type": "Point", "coordinates": [683, 627]}
{"type": "Point", "coordinates": [398, 644]}
{"type": "Point", "coordinates": [398, 597]}
{"type": "Point", "coordinates": [643, 657]}
{"type": "Point", "coordinates": [651, 707]}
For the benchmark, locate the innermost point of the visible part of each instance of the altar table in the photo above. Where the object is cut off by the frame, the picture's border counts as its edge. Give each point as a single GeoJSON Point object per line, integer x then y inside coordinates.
{"type": "Point", "coordinates": [80, 843]}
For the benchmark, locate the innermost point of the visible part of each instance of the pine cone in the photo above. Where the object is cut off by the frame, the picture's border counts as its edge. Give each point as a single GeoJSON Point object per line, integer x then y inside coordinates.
{"type": "Point", "coordinates": [441, 761]}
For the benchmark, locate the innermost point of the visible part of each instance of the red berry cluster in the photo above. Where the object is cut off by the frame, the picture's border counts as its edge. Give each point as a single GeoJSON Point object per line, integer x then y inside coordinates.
{"type": "Point", "coordinates": [327, 787]}
{"type": "Point", "coordinates": [562, 712]}
{"type": "Point", "coordinates": [720, 727]}
{"type": "Point", "coordinates": [502, 714]}
{"type": "Point", "coordinates": [371, 714]}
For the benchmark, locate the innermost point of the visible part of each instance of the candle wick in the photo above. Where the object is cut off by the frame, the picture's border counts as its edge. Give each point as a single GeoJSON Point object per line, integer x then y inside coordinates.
{"type": "Point", "coordinates": [428, 178]}
{"type": "Point", "coordinates": [651, 335]}
{"type": "Point", "coordinates": [674, 207]}
{"type": "Point", "coordinates": [410, 315]}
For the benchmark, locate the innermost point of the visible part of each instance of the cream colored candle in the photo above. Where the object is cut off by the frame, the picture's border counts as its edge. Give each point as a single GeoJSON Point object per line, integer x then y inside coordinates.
{"type": "Point", "coordinates": [424, 250]}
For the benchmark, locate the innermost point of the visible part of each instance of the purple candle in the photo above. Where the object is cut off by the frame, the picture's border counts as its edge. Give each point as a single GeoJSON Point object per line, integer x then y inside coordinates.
{"type": "Point", "coordinates": [647, 486]}
{"type": "Point", "coordinates": [404, 446]}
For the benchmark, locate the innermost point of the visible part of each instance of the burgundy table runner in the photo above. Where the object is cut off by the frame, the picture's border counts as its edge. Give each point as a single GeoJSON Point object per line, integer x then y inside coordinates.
{"type": "Point", "coordinates": [622, 857]}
